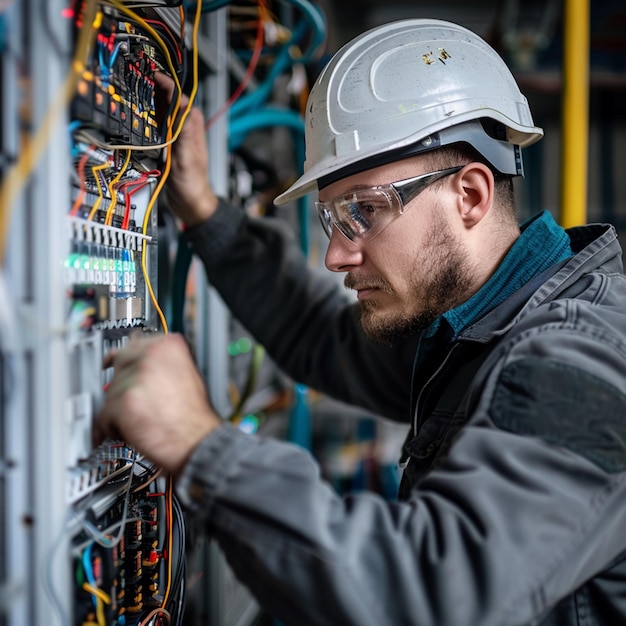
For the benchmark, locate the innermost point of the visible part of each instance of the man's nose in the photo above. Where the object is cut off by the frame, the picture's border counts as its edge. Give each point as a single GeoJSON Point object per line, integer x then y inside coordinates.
{"type": "Point", "coordinates": [342, 254]}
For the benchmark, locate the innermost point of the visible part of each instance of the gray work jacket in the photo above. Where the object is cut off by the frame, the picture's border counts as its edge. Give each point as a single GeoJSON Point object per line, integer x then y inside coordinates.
{"type": "Point", "coordinates": [513, 508]}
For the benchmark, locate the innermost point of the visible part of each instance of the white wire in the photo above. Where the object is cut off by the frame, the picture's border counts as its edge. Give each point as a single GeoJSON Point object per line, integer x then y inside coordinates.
{"type": "Point", "coordinates": [99, 536]}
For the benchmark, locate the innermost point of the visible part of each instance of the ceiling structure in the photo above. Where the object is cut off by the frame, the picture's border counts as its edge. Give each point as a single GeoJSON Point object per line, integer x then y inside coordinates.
{"type": "Point", "coordinates": [528, 34]}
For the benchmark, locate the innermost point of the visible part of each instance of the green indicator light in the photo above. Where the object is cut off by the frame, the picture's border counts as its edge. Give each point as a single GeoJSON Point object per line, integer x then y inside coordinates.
{"type": "Point", "coordinates": [239, 346]}
{"type": "Point", "coordinates": [244, 345]}
{"type": "Point", "coordinates": [74, 260]}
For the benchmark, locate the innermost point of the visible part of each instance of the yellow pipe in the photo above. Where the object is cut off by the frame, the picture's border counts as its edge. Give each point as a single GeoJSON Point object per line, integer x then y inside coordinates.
{"type": "Point", "coordinates": [575, 131]}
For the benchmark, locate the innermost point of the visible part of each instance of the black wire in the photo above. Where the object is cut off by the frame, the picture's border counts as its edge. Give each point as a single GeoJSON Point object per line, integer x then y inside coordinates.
{"type": "Point", "coordinates": [166, 34]}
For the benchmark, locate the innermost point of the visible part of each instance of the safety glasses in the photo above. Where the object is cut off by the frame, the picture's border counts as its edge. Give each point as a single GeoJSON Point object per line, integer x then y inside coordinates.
{"type": "Point", "coordinates": [365, 213]}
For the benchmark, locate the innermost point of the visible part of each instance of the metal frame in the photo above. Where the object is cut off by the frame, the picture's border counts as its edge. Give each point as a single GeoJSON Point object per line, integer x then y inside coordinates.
{"type": "Point", "coordinates": [35, 422]}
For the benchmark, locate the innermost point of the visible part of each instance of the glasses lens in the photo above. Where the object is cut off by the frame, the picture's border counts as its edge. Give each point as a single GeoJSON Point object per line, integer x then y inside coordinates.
{"type": "Point", "coordinates": [326, 217]}
{"type": "Point", "coordinates": [364, 213]}
{"type": "Point", "coordinates": [360, 214]}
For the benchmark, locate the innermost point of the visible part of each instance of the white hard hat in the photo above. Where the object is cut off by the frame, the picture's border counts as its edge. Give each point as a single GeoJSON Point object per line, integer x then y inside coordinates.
{"type": "Point", "coordinates": [406, 87]}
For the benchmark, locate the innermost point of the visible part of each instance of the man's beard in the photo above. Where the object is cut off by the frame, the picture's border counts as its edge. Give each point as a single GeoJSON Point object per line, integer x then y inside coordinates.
{"type": "Point", "coordinates": [447, 284]}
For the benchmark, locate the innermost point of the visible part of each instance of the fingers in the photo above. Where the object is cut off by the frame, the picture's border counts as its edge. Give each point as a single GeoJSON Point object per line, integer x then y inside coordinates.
{"type": "Point", "coordinates": [121, 357]}
{"type": "Point", "coordinates": [165, 85]}
{"type": "Point", "coordinates": [109, 359]}
{"type": "Point", "coordinates": [126, 363]}
{"type": "Point", "coordinates": [166, 92]}
{"type": "Point", "coordinates": [155, 382]}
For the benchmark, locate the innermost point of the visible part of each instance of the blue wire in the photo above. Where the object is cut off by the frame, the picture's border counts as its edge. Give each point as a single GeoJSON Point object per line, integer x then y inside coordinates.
{"type": "Point", "coordinates": [268, 116]}
{"type": "Point", "coordinates": [313, 20]}
{"type": "Point", "coordinates": [316, 20]}
{"type": "Point", "coordinates": [114, 55]}
{"type": "Point", "coordinates": [314, 15]}
{"type": "Point", "coordinates": [72, 126]}
{"type": "Point", "coordinates": [89, 569]}
{"type": "Point", "coordinates": [3, 33]}
{"type": "Point", "coordinates": [283, 61]}
{"type": "Point", "coordinates": [103, 65]}
{"type": "Point", "coordinates": [275, 116]}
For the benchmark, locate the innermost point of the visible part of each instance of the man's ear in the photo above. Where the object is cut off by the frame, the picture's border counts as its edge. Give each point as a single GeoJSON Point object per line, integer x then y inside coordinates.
{"type": "Point", "coordinates": [474, 186]}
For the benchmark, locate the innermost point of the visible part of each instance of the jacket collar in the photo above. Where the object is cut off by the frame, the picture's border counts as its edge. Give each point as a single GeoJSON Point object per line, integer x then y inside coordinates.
{"type": "Point", "coordinates": [541, 244]}
{"type": "Point", "coordinates": [595, 246]}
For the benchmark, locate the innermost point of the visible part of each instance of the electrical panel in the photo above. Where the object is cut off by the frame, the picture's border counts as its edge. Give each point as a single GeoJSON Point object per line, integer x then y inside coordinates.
{"type": "Point", "coordinates": [99, 535]}
{"type": "Point", "coordinates": [93, 535]}
{"type": "Point", "coordinates": [126, 531]}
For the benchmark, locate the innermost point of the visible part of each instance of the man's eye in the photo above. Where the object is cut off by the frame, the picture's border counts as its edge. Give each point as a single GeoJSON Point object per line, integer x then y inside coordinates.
{"type": "Point", "coordinates": [359, 214]}
{"type": "Point", "coordinates": [367, 208]}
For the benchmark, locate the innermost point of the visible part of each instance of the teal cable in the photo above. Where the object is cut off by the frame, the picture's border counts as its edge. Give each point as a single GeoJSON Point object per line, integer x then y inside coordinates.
{"type": "Point", "coordinates": [182, 263]}
{"type": "Point", "coordinates": [262, 118]}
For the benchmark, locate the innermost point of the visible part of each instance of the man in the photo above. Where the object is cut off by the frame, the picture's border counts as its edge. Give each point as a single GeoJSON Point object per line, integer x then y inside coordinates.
{"type": "Point", "coordinates": [505, 350]}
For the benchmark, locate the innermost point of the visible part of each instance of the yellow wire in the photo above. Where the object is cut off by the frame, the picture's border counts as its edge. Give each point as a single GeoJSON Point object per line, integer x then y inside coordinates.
{"type": "Point", "coordinates": [102, 595]}
{"type": "Point", "coordinates": [144, 249]}
{"type": "Point", "coordinates": [120, 7]}
{"type": "Point", "coordinates": [100, 613]}
{"type": "Point", "coordinates": [35, 145]}
{"type": "Point", "coordinates": [95, 169]}
{"type": "Point", "coordinates": [113, 192]}
{"type": "Point", "coordinates": [146, 221]}
{"type": "Point", "coordinates": [168, 161]}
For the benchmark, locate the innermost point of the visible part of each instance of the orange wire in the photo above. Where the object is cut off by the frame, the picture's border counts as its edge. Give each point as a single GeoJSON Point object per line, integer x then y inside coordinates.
{"type": "Point", "coordinates": [81, 176]}
{"type": "Point", "coordinates": [170, 529]}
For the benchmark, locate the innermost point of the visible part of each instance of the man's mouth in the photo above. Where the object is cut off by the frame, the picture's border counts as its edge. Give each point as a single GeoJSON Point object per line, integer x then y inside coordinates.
{"type": "Point", "coordinates": [364, 291]}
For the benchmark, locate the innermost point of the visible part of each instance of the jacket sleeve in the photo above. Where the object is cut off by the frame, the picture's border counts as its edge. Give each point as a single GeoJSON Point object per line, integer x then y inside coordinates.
{"type": "Point", "coordinates": [519, 514]}
{"type": "Point", "coordinates": [299, 314]}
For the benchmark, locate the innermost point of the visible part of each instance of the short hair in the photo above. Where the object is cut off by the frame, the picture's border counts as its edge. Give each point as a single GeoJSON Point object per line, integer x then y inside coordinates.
{"type": "Point", "coordinates": [463, 153]}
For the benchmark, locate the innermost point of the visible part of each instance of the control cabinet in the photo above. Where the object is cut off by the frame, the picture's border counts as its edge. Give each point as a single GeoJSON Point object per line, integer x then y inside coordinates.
{"type": "Point", "coordinates": [93, 535]}
{"type": "Point", "coordinates": [89, 535]}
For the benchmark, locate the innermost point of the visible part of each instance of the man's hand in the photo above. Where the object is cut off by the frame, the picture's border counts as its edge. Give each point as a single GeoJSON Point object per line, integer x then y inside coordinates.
{"type": "Point", "coordinates": [188, 190]}
{"type": "Point", "coordinates": [156, 401]}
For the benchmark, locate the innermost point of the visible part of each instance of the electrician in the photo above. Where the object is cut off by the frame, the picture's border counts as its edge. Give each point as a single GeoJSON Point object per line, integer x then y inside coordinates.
{"type": "Point", "coordinates": [503, 347]}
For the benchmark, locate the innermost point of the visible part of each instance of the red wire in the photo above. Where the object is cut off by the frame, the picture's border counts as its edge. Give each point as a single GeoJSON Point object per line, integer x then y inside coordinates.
{"type": "Point", "coordinates": [256, 54]}
{"type": "Point", "coordinates": [136, 185]}
{"type": "Point", "coordinates": [173, 39]}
